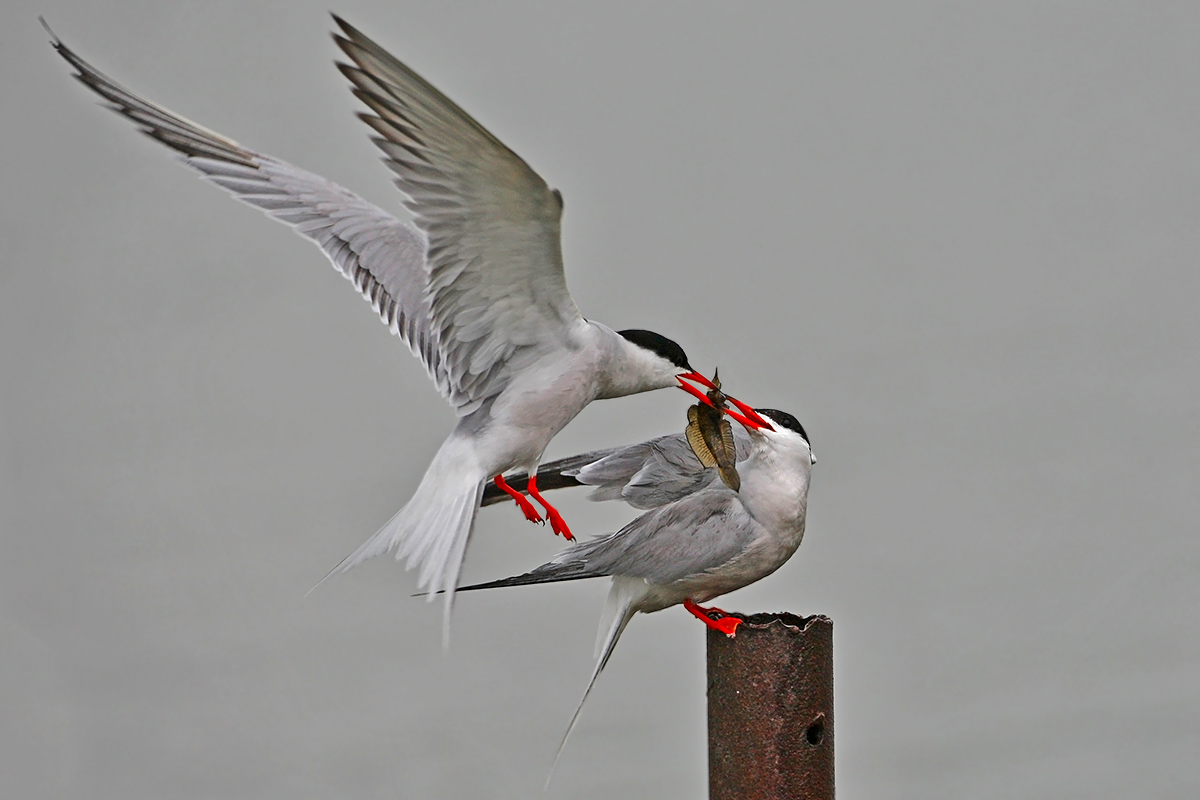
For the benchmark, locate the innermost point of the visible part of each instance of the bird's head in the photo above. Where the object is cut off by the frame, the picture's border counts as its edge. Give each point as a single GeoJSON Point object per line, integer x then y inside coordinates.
{"type": "Point", "coordinates": [776, 429]}
{"type": "Point", "coordinates": [662, 360]}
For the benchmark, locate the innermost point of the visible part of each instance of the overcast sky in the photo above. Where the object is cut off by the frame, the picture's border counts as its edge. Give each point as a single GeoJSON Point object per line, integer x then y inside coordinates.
{"type": "Point", "coordinates": [959, 243]}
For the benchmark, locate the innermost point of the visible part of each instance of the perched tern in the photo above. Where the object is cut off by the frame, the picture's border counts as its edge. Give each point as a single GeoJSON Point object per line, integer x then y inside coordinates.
{"type": "Point", "coordinates": [700, 538]}
{"type": "Point", "coordinates": [476, 289]}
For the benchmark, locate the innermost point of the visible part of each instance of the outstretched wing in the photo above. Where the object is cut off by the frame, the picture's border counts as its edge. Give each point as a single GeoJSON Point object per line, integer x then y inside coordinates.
{"type": "Point", "coordinates": [382, 256]}
{"type": "Point", "coordinates": [496, 276]}
{"type": "Point", "coordinates": [645, 475]}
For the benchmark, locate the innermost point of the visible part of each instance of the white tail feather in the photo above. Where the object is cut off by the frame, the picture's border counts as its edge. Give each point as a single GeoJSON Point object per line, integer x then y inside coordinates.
{"type": "Point", "coordinates": [618, 610]}
{"type": "Point", "coordinates": [432, 530]}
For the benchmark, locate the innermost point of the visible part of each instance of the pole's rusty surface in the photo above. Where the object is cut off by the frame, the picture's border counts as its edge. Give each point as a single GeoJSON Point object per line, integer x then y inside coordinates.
{"type": "Point", "coordinates": [770, 709]}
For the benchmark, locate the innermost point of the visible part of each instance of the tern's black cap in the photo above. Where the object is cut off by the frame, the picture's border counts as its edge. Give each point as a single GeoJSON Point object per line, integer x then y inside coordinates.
{"type": "Point", "coordinates": [785, 419]}
{"type": "Point", "coordinates": [659, 345]}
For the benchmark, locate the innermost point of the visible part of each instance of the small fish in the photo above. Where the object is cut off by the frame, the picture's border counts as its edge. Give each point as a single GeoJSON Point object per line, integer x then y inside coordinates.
{"type": "Point", "coordinates": [711, 436]}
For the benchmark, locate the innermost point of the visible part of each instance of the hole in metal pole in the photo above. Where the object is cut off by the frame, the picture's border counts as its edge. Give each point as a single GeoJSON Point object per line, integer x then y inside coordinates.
{"type": "Point", "coordinates": [816, 731]}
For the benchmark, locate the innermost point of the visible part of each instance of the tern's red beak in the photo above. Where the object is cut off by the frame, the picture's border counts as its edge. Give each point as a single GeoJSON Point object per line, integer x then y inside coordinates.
{"type": "Point", "coordinates": [749, 417]}
{"type": "Point", "coordinates": [750, 412]}
{"type": "Point", "coordinates": [692, 390]}
{"type": "Point", "coordinates": [698, 378]}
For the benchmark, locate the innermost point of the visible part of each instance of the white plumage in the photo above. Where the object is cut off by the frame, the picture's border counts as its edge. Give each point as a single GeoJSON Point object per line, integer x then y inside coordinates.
{"type": "Point", "coordinates": [476, 288]}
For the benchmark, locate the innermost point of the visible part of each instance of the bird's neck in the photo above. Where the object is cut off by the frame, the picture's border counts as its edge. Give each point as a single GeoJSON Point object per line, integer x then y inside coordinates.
{"type": "Point", "coordinates": [626, 368]}
{"type": "Point", "coordinates": [774, 486]}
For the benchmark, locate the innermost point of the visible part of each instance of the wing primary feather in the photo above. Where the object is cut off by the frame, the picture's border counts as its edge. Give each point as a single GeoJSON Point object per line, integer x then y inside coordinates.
{"type": "Point", "coordinates": [492, 224]}
{"type": "Point", "coordinates": [558, 575]}
{"type": "Point", "coordinates": [382, 256]}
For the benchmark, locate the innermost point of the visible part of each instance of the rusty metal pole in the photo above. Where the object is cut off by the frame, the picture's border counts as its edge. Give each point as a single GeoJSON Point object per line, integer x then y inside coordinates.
{"type": "Point", "coordinates": [770, 709]}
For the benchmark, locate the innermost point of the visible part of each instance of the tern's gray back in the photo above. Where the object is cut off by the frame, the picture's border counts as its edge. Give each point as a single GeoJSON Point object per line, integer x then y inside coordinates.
{"type": "Point", "coordinates": [700, 532]}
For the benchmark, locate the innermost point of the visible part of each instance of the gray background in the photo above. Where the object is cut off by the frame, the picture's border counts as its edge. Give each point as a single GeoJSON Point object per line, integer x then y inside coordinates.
{"type": "Point", "coordinates": [959, 243]}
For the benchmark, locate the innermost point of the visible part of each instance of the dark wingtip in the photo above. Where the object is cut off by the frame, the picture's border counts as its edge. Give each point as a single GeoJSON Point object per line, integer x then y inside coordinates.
{"type": "Point", "coordinates": [81, 66]}
{"type": "Point", "coordinates": [349, 33]}
{"type": "Point", "coordinates": [340, 38]}
{"type": "Point", "coordinates": [348, 70]}
{"type": "Point", "coordinates": [54, 40]}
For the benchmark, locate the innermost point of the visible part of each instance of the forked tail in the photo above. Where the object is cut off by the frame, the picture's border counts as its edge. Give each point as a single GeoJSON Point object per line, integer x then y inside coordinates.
{"type": "Point", "coordinates": [432, 530]}
{"type": "Point", "coordinates": [618, 610]}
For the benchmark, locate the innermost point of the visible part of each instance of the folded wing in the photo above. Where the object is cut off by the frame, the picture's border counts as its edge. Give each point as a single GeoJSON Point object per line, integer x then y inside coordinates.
{"type": "Point", "coordinates": [645, 475]}
{"type": "Point", "coordinates": [699, 533]}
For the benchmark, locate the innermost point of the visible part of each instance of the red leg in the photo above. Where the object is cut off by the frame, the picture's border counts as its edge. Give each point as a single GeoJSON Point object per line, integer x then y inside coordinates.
{"type": "Point", "coordinates": [557, 523]}
{"type": "Point", "coordinates": [531, 513]}
{"type": "Point", "coordinates": [726, 624]}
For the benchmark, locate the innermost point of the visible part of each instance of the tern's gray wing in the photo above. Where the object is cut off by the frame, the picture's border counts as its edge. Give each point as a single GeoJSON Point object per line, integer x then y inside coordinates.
{"type": "Point", "coordinates": [660, 472]}
{"type": "Point", "coordinates": [645, 475]}
{"type": "Point", "coordinates": [497, 286]}
{"type": "Point", "coordinates": [558, 474]}
{"type": "Point", "coordinates": [383, 257]}
{"type": "Point", "coordinates": [699, 533]}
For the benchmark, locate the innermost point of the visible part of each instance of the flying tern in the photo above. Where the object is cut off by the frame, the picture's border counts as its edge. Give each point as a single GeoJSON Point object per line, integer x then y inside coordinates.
{"type": "Point", "coordinates": [475, 288]}
{"type": "Point", "coordinates": [699, 539]}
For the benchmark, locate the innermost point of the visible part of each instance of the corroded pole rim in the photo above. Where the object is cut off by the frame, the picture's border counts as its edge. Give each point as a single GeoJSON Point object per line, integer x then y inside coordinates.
{"type": "Point", "coordinates": [764, 620]}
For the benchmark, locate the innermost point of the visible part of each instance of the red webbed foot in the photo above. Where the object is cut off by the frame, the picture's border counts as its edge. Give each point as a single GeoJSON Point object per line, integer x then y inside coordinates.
{"type": "Point", "coordinates": [531, 513]}
{"type": "Point", "coordinates": [557, 523]}
{"type": "Point", "coordinates": [726, 624]}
